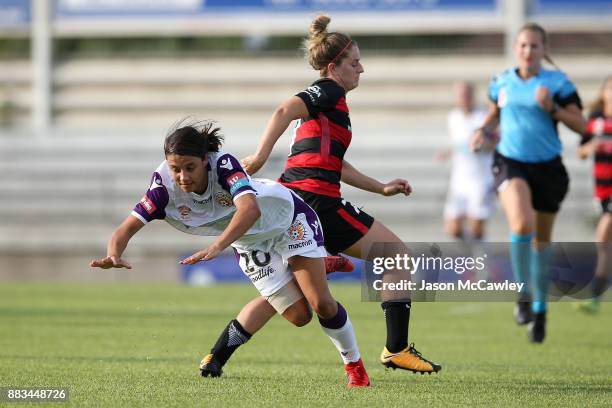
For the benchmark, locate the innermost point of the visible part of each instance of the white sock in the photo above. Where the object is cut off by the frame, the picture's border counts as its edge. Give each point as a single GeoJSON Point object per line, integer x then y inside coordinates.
{"type": "Point", "coordinates": [345, 341]}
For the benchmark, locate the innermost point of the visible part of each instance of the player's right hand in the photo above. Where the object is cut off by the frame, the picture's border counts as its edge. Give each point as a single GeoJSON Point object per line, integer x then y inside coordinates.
{"type": "Point", "coordinates": [477, 140]}
{"type": "Point", "coordinates": [110, 262]}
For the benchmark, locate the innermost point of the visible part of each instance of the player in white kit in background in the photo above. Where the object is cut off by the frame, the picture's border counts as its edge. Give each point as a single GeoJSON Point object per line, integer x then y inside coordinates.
{"type": "Point", "coordinates": [202, 191]}
{"type": "Point", "coordinates": [471, 194]}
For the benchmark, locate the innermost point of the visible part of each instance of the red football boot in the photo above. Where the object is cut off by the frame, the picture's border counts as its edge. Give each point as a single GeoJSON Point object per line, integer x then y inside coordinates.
{"type": "Point", "coordinates": [338, 264]}
{"type": "Point", "coordinates": [356, 373]}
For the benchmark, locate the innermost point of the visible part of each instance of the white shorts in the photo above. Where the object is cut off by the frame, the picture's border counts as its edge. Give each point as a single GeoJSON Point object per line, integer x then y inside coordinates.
{"type": "Point", "coordinates": [478, 204]}
{"type": "Point", "coordinates": [266, 263]}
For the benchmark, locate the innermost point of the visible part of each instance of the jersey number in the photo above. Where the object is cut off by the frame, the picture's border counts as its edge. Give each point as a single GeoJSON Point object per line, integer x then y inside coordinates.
{"type": "Point", "coordinates": [257, 257]}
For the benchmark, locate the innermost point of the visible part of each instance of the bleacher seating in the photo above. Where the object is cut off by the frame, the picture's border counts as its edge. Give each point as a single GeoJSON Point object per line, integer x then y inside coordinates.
{"type": "Point", "coordinates": [66, 190]}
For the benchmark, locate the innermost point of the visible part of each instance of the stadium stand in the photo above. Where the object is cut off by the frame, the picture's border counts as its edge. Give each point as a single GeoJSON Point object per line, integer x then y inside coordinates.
{"type": "Point", "coordinates": [67, 190]}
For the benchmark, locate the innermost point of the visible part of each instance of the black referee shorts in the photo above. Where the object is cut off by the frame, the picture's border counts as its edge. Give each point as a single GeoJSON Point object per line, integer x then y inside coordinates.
{"type": "Point", "coordinates": [606, 205]}
{"type": "Point", "coordinates": [548, 181]}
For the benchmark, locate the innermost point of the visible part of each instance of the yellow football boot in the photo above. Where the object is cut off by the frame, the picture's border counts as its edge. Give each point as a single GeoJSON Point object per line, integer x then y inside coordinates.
{"type": "Point", "coordinates": [409, 359]}
{"type": "Point", "coordinates": [209, 366]}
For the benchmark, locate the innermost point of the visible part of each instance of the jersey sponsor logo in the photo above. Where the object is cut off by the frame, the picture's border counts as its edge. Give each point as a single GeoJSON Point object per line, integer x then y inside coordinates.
{"type": "Point", "coordinates": [237, 181]}
{"type": "Point", "coordinates": [224, 198]}
{"type": "Point", "coordinates": [148, 205]}
{"type": "Point", "coordinates": [226, 164]}
{"type": "Point", "coordinates": [315, 89]}
{"type": "Point", "coordinates": [300, 244]}
{"type": "Point", "coordinates": [296, 231]}
{"type": "Point", "coordinates": [262, 273]}
{"type": "Point", "coordinates": [312, 91]}
{"type": "Point", "coordinates": [202, 202]}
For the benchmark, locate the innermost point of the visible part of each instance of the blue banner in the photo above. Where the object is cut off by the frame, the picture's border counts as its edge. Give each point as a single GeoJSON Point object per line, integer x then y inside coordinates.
{"type": "Point", "coordinates": [132, 8]}
{"type": "Point", "coordinates": [349, 5]}
{"type": "Point", "coordinates": [600, 7]}
{"type": "Point", "coordinates": [72, 8]}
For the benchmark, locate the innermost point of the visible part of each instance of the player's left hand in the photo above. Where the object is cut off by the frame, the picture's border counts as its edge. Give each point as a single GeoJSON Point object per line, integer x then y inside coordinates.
{"type": "Point", "coordinates": [397, 186]}
{"type": "Point", "coordinates": [544, 99]}
{"type": "Point", "coordinates": [203, 255]}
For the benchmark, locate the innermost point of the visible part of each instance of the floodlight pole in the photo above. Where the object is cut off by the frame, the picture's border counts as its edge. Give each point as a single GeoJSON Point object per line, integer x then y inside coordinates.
{"type": "Point", "coordinates": [41, 66]}
{"type": "Point", "coordinates": [515, 15]}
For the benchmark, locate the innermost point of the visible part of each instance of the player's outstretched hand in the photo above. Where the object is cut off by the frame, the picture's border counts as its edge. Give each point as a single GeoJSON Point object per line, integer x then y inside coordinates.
{"type": "Point", "coordinates": [203, 255]}
{"type": "Point", "coordinates": [110, 262]}
{"type": "Point", "coordinates": [397, 186]}
{"type": "Point", "coordinates": [251, 164]}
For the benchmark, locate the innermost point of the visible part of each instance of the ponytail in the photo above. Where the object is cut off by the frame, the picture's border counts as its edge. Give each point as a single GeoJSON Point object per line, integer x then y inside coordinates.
{"type": "Point", "coordinates": [195, 139]}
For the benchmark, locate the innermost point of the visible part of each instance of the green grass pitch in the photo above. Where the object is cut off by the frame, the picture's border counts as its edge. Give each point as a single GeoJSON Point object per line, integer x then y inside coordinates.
{"type": "Point", "coordinates": [140, 345]}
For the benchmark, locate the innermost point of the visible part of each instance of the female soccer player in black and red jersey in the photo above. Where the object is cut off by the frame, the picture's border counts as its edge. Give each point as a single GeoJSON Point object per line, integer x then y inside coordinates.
{"type": "Point", "coordinates": [598, 141]}
{"type": "Point", "coordinates": [316, 166]}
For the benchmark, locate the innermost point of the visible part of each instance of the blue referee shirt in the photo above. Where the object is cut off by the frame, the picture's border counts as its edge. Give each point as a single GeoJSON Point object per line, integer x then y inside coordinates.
{"type": "Point", "coordinates": [529, 133]}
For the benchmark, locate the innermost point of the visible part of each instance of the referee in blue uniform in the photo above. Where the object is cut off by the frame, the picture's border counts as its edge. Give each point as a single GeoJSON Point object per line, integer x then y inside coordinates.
{"type": "Point", "coordinates": [527, 102]}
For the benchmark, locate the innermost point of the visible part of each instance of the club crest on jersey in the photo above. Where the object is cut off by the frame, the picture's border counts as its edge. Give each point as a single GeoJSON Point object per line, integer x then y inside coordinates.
{"type": "Point", "coordinates": [224, 198]}
{"type": "Point", "coordinates": [148, 205]}
{"type": "Point", "coordinates": [296, 231]}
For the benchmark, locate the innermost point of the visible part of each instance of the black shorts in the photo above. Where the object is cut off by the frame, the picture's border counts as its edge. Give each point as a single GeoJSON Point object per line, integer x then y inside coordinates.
{"type": "Point", "coordinates": [606, 205]}
{"type": "Point", "coordinates": [548, 181]}
{"type": "Point", "coordinates": [343, 226]}
{"type": "Point", "coordinates": [343, 223]}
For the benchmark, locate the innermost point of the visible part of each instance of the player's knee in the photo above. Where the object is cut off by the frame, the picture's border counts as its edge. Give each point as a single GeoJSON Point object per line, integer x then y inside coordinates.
{"type": "Point", "coordinates": [325, 308]}
{"type": "Point", "coordinates": [523, 226]}
{"type": "Point", "coordinates": [303, 319]}
{"type": "Point", "coordinates": [299, 314]}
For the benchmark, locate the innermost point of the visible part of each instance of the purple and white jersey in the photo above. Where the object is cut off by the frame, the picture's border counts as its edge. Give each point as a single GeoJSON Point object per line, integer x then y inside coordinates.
{"type": "Point", "coordinates": [210, 213]}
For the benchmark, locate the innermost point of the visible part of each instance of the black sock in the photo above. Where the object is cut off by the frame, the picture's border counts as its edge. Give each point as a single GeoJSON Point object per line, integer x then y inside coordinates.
{"type": "Point", "coordinates": [600, 285]}
{"type": "Point", "coordinates": [232, 337]}
{"type": "Point", "coordinates": [397, 317]}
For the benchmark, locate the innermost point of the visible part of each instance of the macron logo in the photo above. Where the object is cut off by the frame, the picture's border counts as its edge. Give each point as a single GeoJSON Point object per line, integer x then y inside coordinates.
{"type": "Point", "coordinates": [226, 164]}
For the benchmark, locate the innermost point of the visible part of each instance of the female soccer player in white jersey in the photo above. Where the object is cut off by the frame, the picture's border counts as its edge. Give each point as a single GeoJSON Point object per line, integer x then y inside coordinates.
{"type": "Point", "coordinates": [470, 194]}
{"type": "Point", "coordinates": [202, 191]}
{"type": "Point", "coordinates": [528, 102]}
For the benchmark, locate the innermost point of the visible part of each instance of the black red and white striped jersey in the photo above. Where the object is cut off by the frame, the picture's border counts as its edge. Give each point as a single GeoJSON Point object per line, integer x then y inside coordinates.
{"type": "Point", "coordinates": [601, 127]}
{"type": "Point", "coordinates": [314, 165]}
